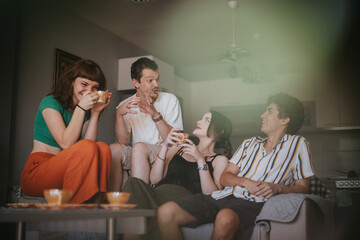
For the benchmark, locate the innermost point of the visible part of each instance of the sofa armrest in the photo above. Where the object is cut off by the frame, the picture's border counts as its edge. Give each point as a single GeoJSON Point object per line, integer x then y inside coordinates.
{"type": "Point", "coordinates": [261, 231]}
{"type": "Point", "coordinates": [308, 224]}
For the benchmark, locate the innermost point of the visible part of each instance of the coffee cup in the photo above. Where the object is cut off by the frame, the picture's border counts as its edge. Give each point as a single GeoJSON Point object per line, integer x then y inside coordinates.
{"type": "Point", "coordinates": [57, 196]}
{"type": "Point", "coordinates": [118, 197]}
{"type": "Point", "coordinates": [102, 96]}
{"type": "Point", "coordinates": [182, 137]}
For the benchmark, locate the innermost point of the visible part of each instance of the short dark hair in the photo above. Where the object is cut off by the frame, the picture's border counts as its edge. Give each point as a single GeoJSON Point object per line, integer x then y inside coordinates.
{"type": "Point", "coordinates": [220, 130]}
{"type": "Point", "coordinates": [289, 107]}
{"type": "Point", "coordinates": [139, 65]}
{"type": "Point", "coordinates": [63, 90]}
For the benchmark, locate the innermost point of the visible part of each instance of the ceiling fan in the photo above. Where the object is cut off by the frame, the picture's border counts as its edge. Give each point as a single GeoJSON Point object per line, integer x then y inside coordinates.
{"type": "Point", "coordinates": [233, 54]}
{"type": "Point", "coordinates": [248, 65]}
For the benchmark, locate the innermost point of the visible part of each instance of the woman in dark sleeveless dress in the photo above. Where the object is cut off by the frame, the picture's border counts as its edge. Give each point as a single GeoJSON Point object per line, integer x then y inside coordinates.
{"type": "Point", "coordinates": [183, 169]}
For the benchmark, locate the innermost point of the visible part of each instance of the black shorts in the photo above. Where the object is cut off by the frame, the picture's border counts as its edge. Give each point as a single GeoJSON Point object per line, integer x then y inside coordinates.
{"type": "Point", "coordinates": [204, 208]}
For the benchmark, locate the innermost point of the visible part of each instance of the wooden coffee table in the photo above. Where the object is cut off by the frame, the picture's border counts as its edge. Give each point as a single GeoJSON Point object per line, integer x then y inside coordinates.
{"type": "Point", "coordinates": [70, 220]}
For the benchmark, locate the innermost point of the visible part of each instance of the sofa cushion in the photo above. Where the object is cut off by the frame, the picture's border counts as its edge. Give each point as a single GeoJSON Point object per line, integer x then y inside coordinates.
{"type": "Point", "coordinates": [318, 188]}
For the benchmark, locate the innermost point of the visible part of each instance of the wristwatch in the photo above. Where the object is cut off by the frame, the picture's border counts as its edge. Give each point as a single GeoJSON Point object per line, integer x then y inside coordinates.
{"type": "Point", "coordinates": [158, 118]}
{"type": "Point", "coordinates": [205, 167]}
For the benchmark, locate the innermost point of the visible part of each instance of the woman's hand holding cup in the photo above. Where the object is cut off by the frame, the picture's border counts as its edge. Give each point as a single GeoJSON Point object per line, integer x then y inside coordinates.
{"type": "Point", "coordinates": [88, 100]}
{"type": "Point", "coordinates": [103, 100]}
{"type": "Point", "coordinates": [190, 148]}
{"type": "Point", "coordinates": [174, 137]}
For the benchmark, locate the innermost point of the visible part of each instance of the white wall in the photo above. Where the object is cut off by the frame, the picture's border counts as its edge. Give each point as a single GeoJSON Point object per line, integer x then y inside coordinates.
{"type": "Point", "coordinates": [333, 152]}
{"type": "Point", "coordinates": [183, 88]}
{"type": "Point", "coordinates": [235, 92]}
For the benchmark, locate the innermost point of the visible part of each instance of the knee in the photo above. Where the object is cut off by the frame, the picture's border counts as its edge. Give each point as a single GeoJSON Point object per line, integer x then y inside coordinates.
{"type": "Point", "coordinates": [87, 147]}
{"type": "Point", "coordinates": [139, 151]}
{"type": "Point", "coordinates": [102, 145]}
{"type": "Point", "coordinates": [117, 153]}
{"type": "Point", "coordinates": [166, 213]}
{"type": "Point", "coordinates": [139, 147]}
{"type": "Point", "coordinates": [227, 220]}
{"type": "Point", "coordinates": [83, 153]}
{"type": "Point", "coordinates": [85, 143]}
{"type": "Point", "coordinates": [103, 148]}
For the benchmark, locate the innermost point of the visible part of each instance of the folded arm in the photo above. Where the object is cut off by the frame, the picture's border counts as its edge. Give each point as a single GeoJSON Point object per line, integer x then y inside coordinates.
{"type": "Point", "coordinates": [261, 189]}
{"type": "Point", "coordinates": [267, 190]}
{"type": "Point", "coordinates": [229, 177]}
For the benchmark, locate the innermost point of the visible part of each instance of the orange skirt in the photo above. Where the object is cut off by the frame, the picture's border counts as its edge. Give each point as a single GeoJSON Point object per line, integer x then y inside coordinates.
{"type": "Point", "coordinates": [82, 168]}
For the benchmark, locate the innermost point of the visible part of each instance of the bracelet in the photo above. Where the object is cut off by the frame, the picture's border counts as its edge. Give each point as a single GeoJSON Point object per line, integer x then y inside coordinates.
{"type": "Point", "coordinates": [158, 118]}
{"type": "Point", "coordinates": [204, 167]}
{"type": "Point", "coordinates": [162, 159]}
{"type": "Point", "coordinates": [80, 107]}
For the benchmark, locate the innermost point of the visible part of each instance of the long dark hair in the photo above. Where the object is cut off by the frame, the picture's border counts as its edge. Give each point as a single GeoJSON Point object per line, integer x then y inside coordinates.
{"type": "Point", "coordinates": [63, 91]}
{"type": "Point", "coordinates": [220, 130]}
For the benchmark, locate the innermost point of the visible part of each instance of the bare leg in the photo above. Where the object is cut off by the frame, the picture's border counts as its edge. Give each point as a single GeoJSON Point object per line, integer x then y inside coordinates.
{"type": "Point", "coordinates": [170, 218]}
{"type": "Point", "coordinates": [227, 222]}
{"type": "Point", "coordinates": [140, 166]}
{"type": "Point", "coordinates": [117, 155]}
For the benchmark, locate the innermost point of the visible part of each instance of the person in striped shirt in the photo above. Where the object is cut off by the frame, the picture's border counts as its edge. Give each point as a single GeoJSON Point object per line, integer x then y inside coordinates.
{"type": "Point", "coordinates": [259, 169]}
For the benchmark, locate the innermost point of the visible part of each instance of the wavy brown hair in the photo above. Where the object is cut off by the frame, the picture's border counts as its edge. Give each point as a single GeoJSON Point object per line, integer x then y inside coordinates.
{"type": "Point", "coordinates": [63, 90]}
{"type": "Point", "coordinates": [220, 130]}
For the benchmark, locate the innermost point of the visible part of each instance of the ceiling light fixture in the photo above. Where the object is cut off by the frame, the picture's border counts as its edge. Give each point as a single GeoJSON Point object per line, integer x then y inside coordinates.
{"type": "Point", "coordinates": [233, 54]}
{"type": "Point", "coordinates": [249, 66]}
{"type": "Point", "coordinates": [255, 70]}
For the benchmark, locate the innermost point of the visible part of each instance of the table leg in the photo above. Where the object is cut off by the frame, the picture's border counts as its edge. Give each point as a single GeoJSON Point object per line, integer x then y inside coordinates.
{"type": "Point", "coordinates": [111, 228]}
{"type": "Point", "coordinates": [20, 230]}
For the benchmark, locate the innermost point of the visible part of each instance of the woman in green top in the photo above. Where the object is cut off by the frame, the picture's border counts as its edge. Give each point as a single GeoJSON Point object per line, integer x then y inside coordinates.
{"type": "Point", "coordinates": [59, 159]}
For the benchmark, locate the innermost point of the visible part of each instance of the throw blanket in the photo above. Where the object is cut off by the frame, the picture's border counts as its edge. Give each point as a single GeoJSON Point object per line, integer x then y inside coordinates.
{"type": "Point", "coordinates": [285, 207]}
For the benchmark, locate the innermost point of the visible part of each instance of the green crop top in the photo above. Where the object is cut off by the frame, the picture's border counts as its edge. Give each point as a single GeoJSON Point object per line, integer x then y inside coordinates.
{"type": "Point", "coordinates": [41, 131]}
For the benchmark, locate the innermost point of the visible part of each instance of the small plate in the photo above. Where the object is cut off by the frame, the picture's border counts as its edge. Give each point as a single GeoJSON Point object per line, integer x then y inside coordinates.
{"type": "Point", "coordinates": [52, 206]}
{"type": "Point", "coordinates": [117, 206]}
{"type": "Point", "coordinates": [22, 205]}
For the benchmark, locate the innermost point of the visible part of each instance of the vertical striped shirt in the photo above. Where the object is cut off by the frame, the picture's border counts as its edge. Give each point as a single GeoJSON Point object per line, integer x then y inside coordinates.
{"type": "Point", "coordinates": [287, 162]}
